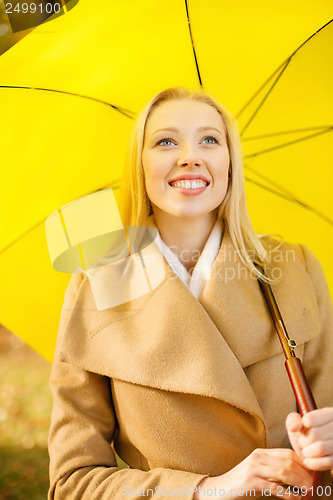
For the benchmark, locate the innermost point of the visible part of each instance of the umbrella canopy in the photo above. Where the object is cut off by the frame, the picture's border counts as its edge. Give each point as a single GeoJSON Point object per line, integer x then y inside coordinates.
{"type": "Point", "coordinates": [70, 89]}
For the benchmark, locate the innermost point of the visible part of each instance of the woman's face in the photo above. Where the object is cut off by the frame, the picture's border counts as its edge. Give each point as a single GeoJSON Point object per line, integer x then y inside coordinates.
{"type": "Point", "coordinates": [185, 158]}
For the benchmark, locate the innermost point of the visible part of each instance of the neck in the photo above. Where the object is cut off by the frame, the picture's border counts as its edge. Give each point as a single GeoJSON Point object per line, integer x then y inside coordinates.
{"type": "Point", "coordinates": [185, 237]}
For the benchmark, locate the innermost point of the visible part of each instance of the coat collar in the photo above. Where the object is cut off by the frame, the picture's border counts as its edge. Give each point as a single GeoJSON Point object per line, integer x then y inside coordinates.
{"type": "Point", "coordinates": [169, 340]}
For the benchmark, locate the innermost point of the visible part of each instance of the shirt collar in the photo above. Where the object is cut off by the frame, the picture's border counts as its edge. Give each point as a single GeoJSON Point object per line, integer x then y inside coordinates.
{"type": "Point", "coordinates": [201, 272]}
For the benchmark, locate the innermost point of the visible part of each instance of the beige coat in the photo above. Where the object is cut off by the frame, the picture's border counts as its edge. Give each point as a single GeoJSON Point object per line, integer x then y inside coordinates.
{"type": "Point", "coordinates": [186, 388]}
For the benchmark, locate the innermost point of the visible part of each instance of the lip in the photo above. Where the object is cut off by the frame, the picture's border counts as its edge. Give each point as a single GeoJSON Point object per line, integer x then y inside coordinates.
{"type": "Point", "coordinates": [190, 192]}
{"type": "Point", "coordinates": [185, 177]}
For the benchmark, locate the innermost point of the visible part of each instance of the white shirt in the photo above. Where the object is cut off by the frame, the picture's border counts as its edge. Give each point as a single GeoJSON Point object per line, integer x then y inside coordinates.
{"type": "Point", "coordinates": [197, 281]}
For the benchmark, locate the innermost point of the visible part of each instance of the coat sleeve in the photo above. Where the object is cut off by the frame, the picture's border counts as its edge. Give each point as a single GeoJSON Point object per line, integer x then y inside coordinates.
{"type": "Point", "coordinates": [83, 424]}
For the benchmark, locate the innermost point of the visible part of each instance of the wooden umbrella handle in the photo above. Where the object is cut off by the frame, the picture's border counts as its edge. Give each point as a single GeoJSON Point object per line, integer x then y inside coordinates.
{"type": "Point", "coordinates": [305, 403]}
{"type": "Point", "coordinates": [302, 391]}
{"type": "Point", "coordinates": [303, 395]}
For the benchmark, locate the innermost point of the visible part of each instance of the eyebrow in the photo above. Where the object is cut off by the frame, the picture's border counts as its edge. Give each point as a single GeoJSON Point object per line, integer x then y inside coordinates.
{"type": "Point", "coordinates": [173, 129]}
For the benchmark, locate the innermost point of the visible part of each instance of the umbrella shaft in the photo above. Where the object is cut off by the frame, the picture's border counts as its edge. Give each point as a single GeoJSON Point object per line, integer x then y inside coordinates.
{"type": "Point", "coordinates": [302, 391]}
{"type": "Point", "coordinates": [306, 403]}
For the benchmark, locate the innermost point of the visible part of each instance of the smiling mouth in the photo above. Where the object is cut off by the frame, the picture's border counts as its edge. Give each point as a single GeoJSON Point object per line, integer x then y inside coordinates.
{"type": "Point", "coordinates": [189, 184]}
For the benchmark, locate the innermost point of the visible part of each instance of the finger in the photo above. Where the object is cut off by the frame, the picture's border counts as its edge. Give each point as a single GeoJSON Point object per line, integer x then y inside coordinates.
{"type": "Point", "coordinates": [294, 428]}
{"type": "Point", "coordinates": [316, 418]}
{"type": "Point", "coordinates": [320, 464]}
{"type": "Point", "coordinates": [294, 441]}
{"type": "Point", "coordinates": [318, 449]}
{"type": "Point", "coordinates": [284, 453]}
{"type": "Point", "coordinates": [294, 422]}
{"type": "Point", "coordinates": [295, 464]}
{"type": "Point", "coordinates": [315, 434]}
{"type": "Point", "coordinates": [286, 472]}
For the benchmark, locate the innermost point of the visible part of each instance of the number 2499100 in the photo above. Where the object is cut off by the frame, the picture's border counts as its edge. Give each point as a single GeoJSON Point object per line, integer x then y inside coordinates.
{"type": "Point", "coordinates": [319, 491]}
{"type": "Point", "coordinates": [33, 8]}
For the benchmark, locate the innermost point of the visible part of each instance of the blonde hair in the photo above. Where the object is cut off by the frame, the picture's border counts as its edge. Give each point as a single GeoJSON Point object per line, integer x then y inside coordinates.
{"type": "Point", "coordinates": [134, 204]}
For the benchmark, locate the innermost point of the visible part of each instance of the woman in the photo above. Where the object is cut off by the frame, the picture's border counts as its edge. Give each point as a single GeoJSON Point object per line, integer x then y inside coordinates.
{"type": "Point", "coordinates": [188, 380]}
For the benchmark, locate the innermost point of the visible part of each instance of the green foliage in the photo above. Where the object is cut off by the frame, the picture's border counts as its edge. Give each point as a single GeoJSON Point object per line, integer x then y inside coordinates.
{"type": "Point", "coordinates": [25, 407]}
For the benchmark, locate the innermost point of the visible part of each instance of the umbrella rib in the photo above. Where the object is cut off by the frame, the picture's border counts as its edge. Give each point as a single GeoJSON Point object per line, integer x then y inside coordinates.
{"type": "Point", "coordinates": [237, 115]}
{"type": "Point", "coordinates": [283, 65]}
{"type": "Point", "coordinates": [193, 48]}
{"type": "Point", "coordinates": [280, 146]}
{"type": "Point", "coordinates": [285, 193]}
{"type": "Point", "coordinates": [124, 111]}
{"type": "Point", "coordinates": [281, 189]}
{"type": "Point", "coordinates": [272, 190]}
{"type": "Point", "coordinates": [264, 99]}
{"type": "Point", "coordinates": [285, 132]}
{"type": "Point", "coordinates": [3, 250]}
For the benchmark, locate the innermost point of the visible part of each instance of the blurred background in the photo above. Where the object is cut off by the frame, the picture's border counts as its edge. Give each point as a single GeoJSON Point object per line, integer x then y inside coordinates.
{"type": "Point", "coordinates": [25, 399]}
{"type": "Point", "coordinates": [25, 406]}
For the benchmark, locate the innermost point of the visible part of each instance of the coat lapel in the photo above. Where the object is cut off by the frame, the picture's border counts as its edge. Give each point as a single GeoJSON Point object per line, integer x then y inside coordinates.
{"type": "Point", "coordinates": [165, 339]}
{"type": "Point", "coordinates": [236, 305]}
{"type": "Point", "coordinates": [169, 340]}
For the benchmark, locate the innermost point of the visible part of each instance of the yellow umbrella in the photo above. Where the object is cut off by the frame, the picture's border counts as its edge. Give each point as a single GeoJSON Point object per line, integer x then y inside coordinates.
{"type": "Point", "coordinates": [70, 88]}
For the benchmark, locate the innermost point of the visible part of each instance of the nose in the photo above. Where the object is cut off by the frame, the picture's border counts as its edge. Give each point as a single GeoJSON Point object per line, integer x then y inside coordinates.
{"type": "Point", "coordinates": [189, 157]}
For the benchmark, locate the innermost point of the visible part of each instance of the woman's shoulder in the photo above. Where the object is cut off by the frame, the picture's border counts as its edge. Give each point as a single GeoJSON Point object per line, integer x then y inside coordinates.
{"type": "Point", "coordinates": [280, 250]}
{"type": "Point", "coordinates": [295, 259]}
{"type": "Point", "coordinates": [76, 294]}
{"type": "Point", "coordinates": [74, 284]}
{"type": "Point", "coordinates": [79, 312]}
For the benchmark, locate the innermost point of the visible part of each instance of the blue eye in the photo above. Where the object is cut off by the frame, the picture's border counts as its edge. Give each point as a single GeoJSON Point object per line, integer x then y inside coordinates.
{"type": "Point", "coordinates": [211, 138]}
{"type": "Point", "coordinates": [168, 141]}
{"type": "Point", "coordinates": [163, 142]}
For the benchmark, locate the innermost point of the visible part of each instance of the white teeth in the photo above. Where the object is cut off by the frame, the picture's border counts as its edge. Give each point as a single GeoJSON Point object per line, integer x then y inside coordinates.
{"type": "Point", "coordinates": [186, 184]}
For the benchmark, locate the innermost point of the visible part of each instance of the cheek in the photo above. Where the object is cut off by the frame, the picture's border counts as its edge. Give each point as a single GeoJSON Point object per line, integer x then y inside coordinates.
{"type": "Point", "coordinates": [152, 179]}
{"type": "Point", "coordinates": [148, 170]}
{"type": "Point", "coordinates": [155, 168]}
{"type": "Point", "coordinates": [226, 158]}
{"type": "Point", "coordinates": [221, 167]}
